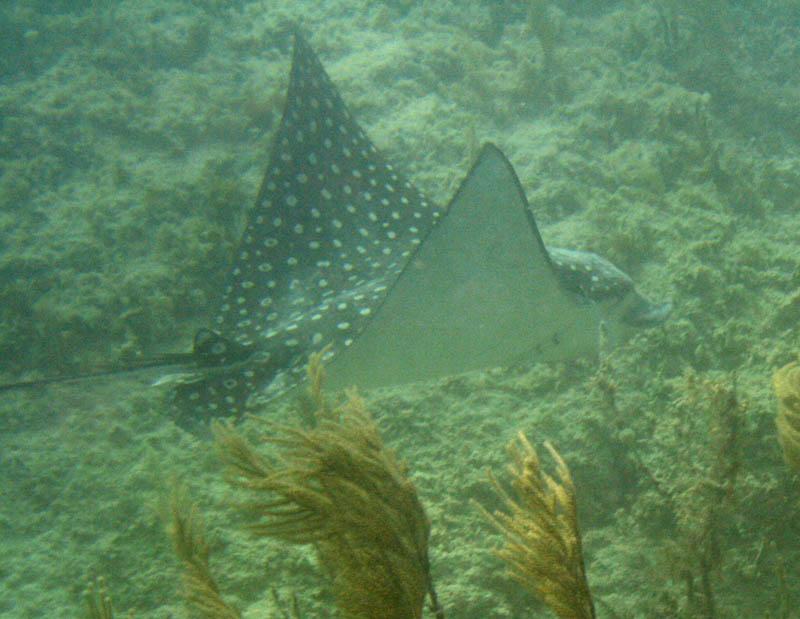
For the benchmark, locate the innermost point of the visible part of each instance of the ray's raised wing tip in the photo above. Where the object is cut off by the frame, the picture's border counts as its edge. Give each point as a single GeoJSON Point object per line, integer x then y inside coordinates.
{"type": "Point", "coordinates": [297, 36]}
{"type": "Point", "coordinates": [491, 147]}
{"type": "Point", "coordinates": [492, 153]}
{"type": "Point", "coordinates": [300, 39]}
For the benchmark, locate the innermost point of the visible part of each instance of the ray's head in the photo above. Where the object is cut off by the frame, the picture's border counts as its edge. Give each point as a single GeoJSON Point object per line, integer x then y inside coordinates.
{"type": "Point", "coordinates": [593, 279]}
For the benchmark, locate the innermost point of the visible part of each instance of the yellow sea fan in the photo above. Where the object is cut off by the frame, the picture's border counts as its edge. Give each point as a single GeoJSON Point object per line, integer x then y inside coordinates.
{"type": "Point", "coordinates": [787, 389]}
{"type": "Point", "coordinates": [337, 486]}
{"type": "Point", "coordinates": [543, 548]}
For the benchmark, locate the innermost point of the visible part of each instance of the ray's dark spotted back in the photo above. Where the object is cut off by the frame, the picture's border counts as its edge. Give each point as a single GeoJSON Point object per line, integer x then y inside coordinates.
{"type": "Point", "coordinates": [333, 227]}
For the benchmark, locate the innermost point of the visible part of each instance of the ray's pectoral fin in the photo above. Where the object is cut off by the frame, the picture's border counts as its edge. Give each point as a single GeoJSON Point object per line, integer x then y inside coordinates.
{"type": "Point", "coordinates": [212, 349]}
{"type": "Point", "coordinates": [480, 292]}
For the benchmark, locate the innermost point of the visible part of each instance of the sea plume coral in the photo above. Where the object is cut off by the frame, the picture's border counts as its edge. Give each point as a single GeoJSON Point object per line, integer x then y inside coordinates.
{"type": "Point", "coordinates": [787, 389]}
{"type": "Point", "coordinates": [187, 531]}
{"type": "Point", "coordinates": [98, 600]}
{"type": "Point", "coordinates": [338, 487]}
{"type": "Point", "coordinates": [543, 549]}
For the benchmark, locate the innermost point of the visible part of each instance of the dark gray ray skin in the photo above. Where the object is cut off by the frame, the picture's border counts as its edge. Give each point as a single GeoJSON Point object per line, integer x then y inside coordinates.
{"type": "Point", "coordinates": [335, 229]}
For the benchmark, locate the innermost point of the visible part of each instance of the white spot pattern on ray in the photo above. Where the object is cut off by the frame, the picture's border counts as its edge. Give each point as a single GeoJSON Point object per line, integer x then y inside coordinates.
{"type": "Point", "coordinates": [318, 239]}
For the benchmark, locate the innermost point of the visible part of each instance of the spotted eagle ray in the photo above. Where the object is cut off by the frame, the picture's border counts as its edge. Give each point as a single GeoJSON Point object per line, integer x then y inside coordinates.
{"type": "Point", "coordinates": [341, 252]}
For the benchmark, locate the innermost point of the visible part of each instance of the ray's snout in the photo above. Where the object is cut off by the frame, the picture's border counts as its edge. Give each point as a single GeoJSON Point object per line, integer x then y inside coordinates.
{"type": "Point", "coordinates": [644, 313]}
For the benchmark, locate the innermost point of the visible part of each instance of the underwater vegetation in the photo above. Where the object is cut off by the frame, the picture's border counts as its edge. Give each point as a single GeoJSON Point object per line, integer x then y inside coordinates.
{"type": "Point", "coordinates": [336, 486]}
{"type": "Point", "coordinates": [333, 484]}
{"type": "Point", "coordinates": [704, 500]}
{"type": "Point", "coordinates": [187, 532]}
{"type": "Point", "coordinates": [787, 389]}
{"type": "Point", "coordinates": [339, 488]}
{"type": "Point", "coordinates": [541, 24]}
{"type": "Point", "coordinates": [543, 549]}
{"type": "Point", "coordinates": [98, 600]}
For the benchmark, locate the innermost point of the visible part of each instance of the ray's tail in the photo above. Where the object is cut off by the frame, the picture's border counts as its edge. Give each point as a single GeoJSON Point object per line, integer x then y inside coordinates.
{"type": "Point", "coordinates": [209, 350]}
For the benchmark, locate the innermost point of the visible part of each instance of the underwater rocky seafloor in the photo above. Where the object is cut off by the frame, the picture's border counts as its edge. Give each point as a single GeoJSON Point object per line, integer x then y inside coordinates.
{"type": "Point", "coordinates": [664, 137]}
